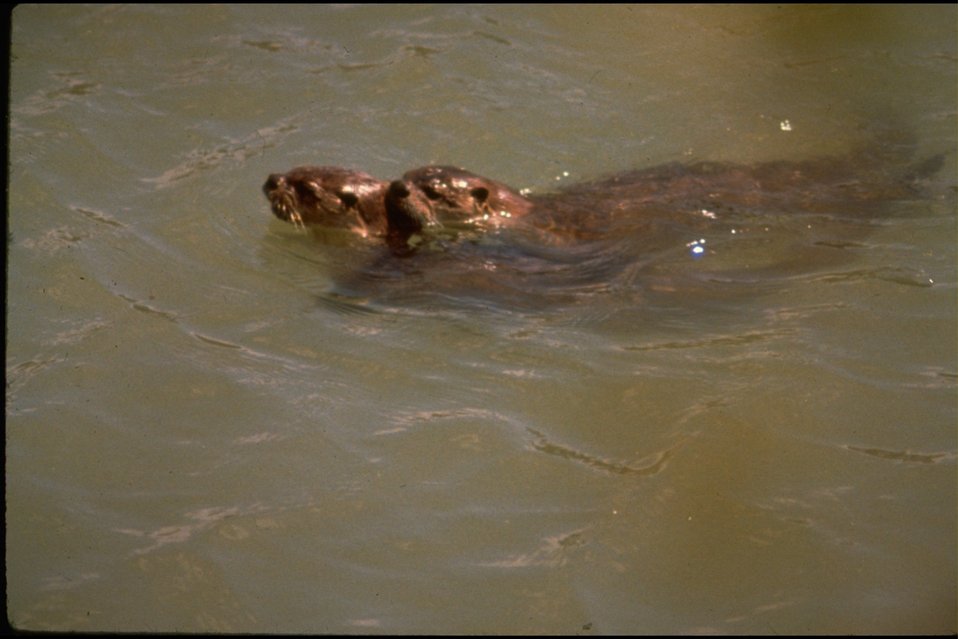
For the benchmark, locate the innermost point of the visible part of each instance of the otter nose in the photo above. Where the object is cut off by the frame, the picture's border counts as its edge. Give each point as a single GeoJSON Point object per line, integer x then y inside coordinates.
{"type": "Point", "coordinates": [398, 188]}
{"type": "Point", "coordinates": [273, 182]}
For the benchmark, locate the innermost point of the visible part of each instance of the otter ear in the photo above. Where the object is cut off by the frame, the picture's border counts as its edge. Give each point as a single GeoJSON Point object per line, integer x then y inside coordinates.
{"type": "Point", "coordinates": [481, 194]}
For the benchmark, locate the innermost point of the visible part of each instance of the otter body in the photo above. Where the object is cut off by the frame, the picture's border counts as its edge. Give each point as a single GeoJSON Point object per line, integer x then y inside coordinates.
{"type": "Point", "coordinates": [433, 200]}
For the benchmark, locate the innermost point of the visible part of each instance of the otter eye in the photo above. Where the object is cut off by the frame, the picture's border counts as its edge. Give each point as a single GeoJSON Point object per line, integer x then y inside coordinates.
{"type": "Point", "coordinates": [431, 193]}
{"type": "Point", "coordinates": [349, 199]}
{"type": "Point", "coordinates": [481, 193]}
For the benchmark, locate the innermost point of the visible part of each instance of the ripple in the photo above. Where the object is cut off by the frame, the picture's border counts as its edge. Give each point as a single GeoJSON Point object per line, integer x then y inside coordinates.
{"type": "Point", "coordinates": [750, 337]}
{"type": "Point", "coordinates": [895, 275]}
{"type": "Point", "coordinates": [146, 308]}
{"type": "Point", "coordinates": [73, 87]}
{"type": "Point", "coordinates": [98, 216]}
{"type": "Point", "coordinates": [542, 444]}
{"type": "Point", "coordinates": [201, 160]}
{"type": "Point", "coordinates": [904, 455]}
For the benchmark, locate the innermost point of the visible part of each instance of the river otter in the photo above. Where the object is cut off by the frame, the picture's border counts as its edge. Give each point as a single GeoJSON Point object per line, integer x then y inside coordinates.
{"type": "Point", "coordinates": [431, 197]}
{"type": "Point", "coordinates": [329, 196]}
{"type": "Point", "coordinates": [447, 200]}
{"type": "Point", "coordinates": [437, 200]}
{"type": "Point", "coordinates": [693, 195]}
{"type": "Point", "coordinates": [455, 195]}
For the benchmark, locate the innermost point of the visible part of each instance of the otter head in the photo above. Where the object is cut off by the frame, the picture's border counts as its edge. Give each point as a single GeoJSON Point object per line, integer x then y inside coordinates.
{"type": "Point", "coordinates": [408, 214]}
{"type": "Point", "coordinates": [328, 196]}
{"type": "Point", "coordinates": [457, 195]}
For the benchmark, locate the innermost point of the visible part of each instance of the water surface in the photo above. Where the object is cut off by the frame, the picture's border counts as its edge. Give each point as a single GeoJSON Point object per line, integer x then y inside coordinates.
{"type": "Point", "coordinates": [216, 422]}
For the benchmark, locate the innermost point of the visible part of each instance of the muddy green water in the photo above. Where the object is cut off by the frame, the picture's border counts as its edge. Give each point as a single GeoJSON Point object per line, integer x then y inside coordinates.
{"type": "Point", "coordinates": [211, 427]}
